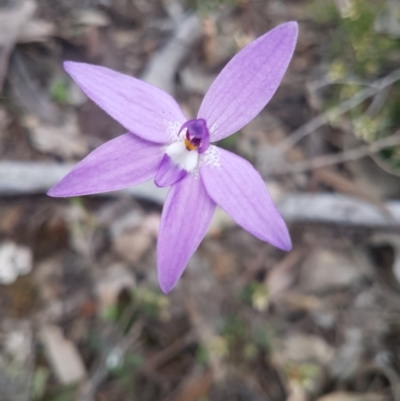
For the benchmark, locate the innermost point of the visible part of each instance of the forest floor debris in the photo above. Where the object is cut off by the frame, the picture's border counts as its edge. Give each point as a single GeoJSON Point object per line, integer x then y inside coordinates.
{"type": "Point", "coordinates": [82, 317]}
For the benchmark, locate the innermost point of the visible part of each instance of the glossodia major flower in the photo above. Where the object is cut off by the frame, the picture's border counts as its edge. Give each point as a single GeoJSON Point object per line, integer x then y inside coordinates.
{"type": "Point", "coordinates": [162, 144]}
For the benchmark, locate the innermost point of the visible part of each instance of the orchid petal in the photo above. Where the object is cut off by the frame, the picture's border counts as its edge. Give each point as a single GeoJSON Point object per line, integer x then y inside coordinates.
{"type": "Point", "coordinates": [124, 161]}
{"type": "Point", "coordinates": [140, 107]}
{"type": "Point", "coordinates": [248, 82]}
{"type": "Point", "coordinates": [238, 188]}
{"type": "Point", "coordinates": [185, 219]}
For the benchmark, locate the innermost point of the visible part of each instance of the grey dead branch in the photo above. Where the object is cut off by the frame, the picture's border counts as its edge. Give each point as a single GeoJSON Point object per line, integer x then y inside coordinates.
{"type": "Point", "coordinates": [34, 178]}
{"type": "Point", "coordinates": [164, 65]}
{"type": "Point", "coordinates": [17, 178]}
{"type": "Point", "coordinates": [11, 22]}
{"type": "Point", "coordinates": [18, 25]}
{"type": "Point", "coordinates": [195, 80]}
{"type": "Point", "coordinates": [339, 209]}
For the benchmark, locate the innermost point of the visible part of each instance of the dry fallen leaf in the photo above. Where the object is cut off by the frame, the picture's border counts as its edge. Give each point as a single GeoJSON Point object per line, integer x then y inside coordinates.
{"type": "Point", "coordinates": [63, 140]}
{"type": "Point", "coordinates": [111, 282]}
{"type": "Point", "coordinates": [63, 356]}
{"type": "Point", "coordinates": [325, 269]}
{"type": "Point", "coordinates": [35, 31]}
{"type": "Point", "coordinates": [346, 396]}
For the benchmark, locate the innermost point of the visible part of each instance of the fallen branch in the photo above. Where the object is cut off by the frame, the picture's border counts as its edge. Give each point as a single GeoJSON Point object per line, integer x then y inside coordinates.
{"type": "Point", "coordinates": [26, 178]}
{"type": "Point", "coordinates": [339, 209]}
{"type": "Point", "coordinates": [19, 178]}
{"type": "Point", "coordinates": [163, 66]}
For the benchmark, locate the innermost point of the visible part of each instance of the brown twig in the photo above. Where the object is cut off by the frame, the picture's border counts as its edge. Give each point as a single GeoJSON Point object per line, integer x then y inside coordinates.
{"type": "Point", "coordinates": [329, 160]}
{"type": "Point", "coordinates": [337, 111]}
{"type": "Point", "coordinates": [281, 277]}
{"type": "Point", "coordinates": [162, 357]}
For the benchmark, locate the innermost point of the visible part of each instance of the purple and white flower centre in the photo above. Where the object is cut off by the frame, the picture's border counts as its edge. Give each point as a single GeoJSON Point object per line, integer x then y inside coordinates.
{"type": "Point", "coordinates": [182, 156]}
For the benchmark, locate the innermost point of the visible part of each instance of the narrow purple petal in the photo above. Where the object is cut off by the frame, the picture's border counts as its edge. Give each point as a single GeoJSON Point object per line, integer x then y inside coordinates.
{"type": "Point", "coordinates": [185, 219]}
{"type": "Point", "coordinates": [140, 107]}
{"type": "Point", "coordinates": [169, 173]}
{"type": "Point", "coordinates": [124, 161]}
{"type": "Point", "coordinates": [248, 81]}
{"type": "Point", "coordinates": [238, 188]}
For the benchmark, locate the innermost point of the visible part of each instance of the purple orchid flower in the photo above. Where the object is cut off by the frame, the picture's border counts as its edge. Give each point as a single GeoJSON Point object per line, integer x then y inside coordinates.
{"type": "Point", "coordinates": [163, 145]}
